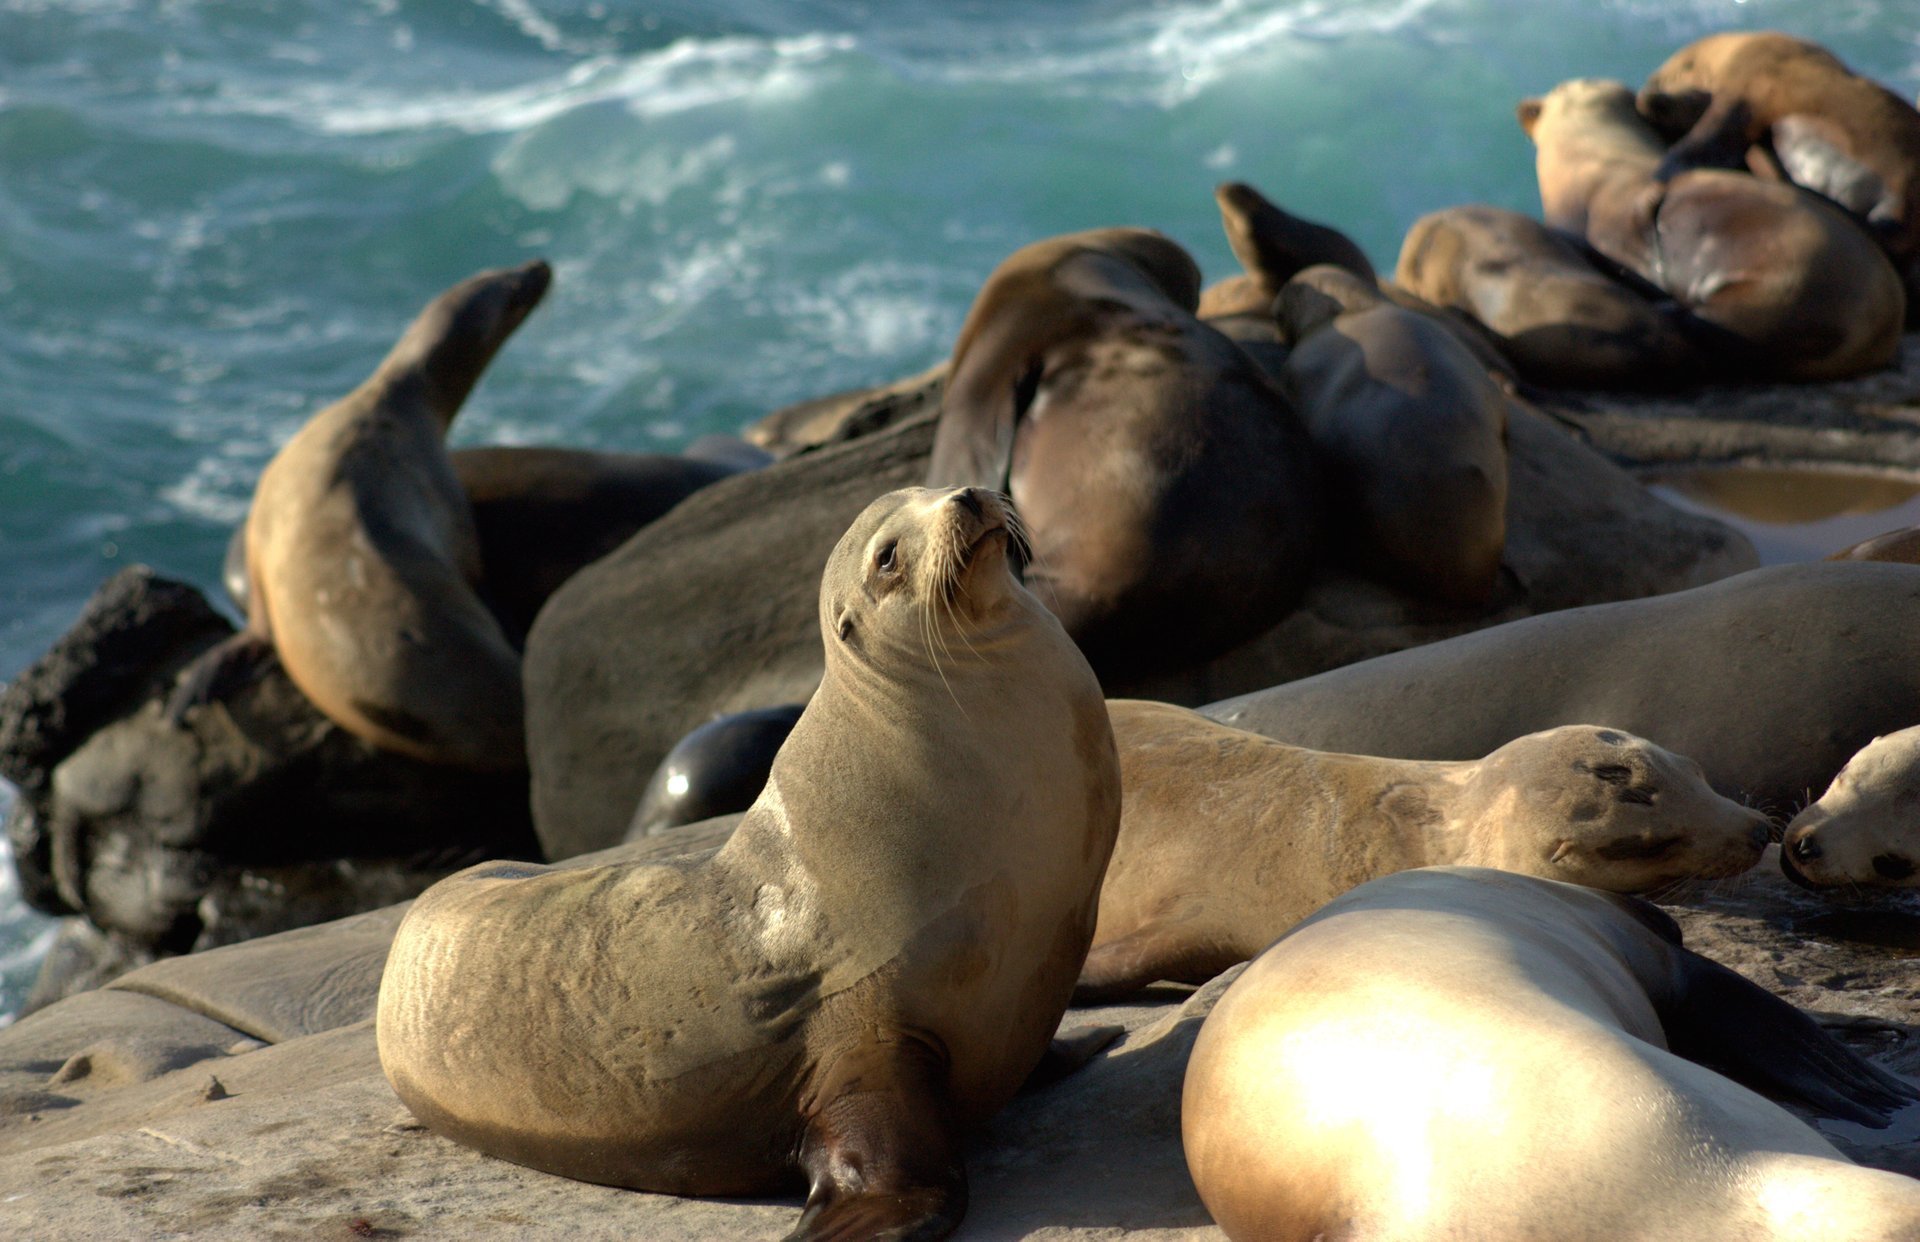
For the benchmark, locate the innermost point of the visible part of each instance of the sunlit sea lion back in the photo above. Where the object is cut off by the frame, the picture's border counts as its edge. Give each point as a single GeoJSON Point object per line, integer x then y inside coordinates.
{"type": "Point", "coordinates": [877, 957]}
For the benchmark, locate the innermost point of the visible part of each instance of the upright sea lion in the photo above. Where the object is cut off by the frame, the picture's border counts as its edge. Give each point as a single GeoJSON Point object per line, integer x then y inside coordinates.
{"type": "Point", "coordinates": [1227, 839]}
{"type": "Point", "coordinates": [1864, 829]}
{"type": "Point", "coordinates": [1816, 122]}
{"type": "Point", "coordinates": [1411, 432]}
{"type": "Point", "coordinates": [1797, 289]}
{"type": "Point", "coordinates": [1558, 317]}
{"type": "Point", "coordinates": [1165, 484]}
{"type": "Point", "coordinates": [362, 557]}
{"type": "Point", "coordinates": [1769, 680]}
{"type": "Point", "coordinates": [876, 958]}
{"type": "Point", "coordinates": [1463, 1053]}
{"type": "Point", "coordinates": [1272, 244]}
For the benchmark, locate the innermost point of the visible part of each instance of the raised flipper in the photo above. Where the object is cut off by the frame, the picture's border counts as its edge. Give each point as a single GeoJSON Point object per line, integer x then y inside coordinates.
{"type": "Point", "coordinates": [1727, 1023]}
{"type": "Point", "coordinates": [1170, 950]}
{"type": "Point", "coordinates": [1719, 139]}
{"type": "Point", "coordinates": [219, 671]}
{"type": "Point", "coordinates": [879, 1150]}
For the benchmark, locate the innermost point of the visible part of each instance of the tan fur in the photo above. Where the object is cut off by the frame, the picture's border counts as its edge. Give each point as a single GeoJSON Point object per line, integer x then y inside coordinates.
{"type": "Point", "coordinates": [1865, 829]}
{"type": "Point", "coordinates": [1461, 1055]}
{"type": "Point", "coordinates": [1411, 430]}
{"type": "Point", "coordinates": [1800, 290]}
{"type": "Point", "coordinates": [1900, 547]}
{"type": "Point", "coordinates": [361, 554]}
{"type": "Point", "coordinates": [920, 873]}
{"type": "Point", "coordinates": [1227, 839]}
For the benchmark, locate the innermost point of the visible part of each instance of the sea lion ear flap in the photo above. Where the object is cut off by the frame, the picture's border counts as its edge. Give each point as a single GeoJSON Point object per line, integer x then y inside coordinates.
{"type": "Point", "coordinates": [1723, 1021]}
{"type": "Point", "coordinates": [1529, 114]}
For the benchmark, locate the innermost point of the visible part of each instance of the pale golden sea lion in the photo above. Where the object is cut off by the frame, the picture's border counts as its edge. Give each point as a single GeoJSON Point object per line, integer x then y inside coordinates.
{"type": "Point", "coordinates": [1459, 1053]}
{"type": "Point", "coordinates": [1865, 829]}
{"type": "Point", "coordinates": [1732, 97]}
{"type": "Point", "coordinates": [875, 959]}
{"type": "Point", "coordinates": [1798, 289]}
{"type": "Point", "coordinates": [1560, 319]}
{"type": "Point", "coordinates": [1411, 432]}
{"type": "Point", "coordinates": [1165, 484]}
{"type": "Point", "coordinates": [362, 557]}
{"type": "Point", "coordinates": [1227, 839]}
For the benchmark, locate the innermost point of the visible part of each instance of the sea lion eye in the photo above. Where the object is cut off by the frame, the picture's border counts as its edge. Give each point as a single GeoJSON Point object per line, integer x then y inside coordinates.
{"type": "Point", "coordinates": [884, 559]}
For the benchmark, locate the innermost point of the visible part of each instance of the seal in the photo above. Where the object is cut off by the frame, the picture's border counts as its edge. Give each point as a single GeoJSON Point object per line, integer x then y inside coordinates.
{"type": "Point", "coordinates": [1795, 289]}
{"type": "Point", "coordinates": [874, 960]}
{"type": "Point", "coordinates": [1561, 320]}
{"type": "Point", "coordinates": [1465, 1053]}
{"type": "Point", "coordinates": [1411, 432]}
{"type": "Point", "coordinates": [362, 558]}
{"type": "Point", "coordinates": [1791, 109]}
{"type": "Point", "coordinates": [1227, 838]}
{"type": "Point", "coordinates": [1272, 244]}
{"type": "Point", "coordinates": [1769, 679]}
{"type": "Point", "coordinates": [717, 769]}
{"type": "Point", "coordinates": [1862, 830]}
{"type": "Point", "coordinates": [1165, 483]}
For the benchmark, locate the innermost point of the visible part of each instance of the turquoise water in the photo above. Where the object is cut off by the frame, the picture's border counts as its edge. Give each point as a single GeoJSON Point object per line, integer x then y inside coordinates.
{"type": "Point", "coordinates": [216, 216]}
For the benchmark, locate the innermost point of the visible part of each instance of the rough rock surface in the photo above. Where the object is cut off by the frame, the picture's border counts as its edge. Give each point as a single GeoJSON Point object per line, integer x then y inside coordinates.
{"type": "Point", "coordinates": [238, 1094]}
{"type": "Point", "coordinates": [713, 609]}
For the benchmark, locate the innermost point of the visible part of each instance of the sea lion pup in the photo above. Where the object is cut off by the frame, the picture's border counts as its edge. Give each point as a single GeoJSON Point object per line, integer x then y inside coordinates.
{"type": "Point", "coordinates": [1227, 839]}
{"type": "Point", "coordinates": [1272, 244]}
{"type": "Point", "coordinates": [1165, 484]}
{"type": "Point", "coordinates": [1561, 320]}
{"type": "Point", "coordinates": [362, 556]}
{"type": "Point", "coordinates": [875, 959]}
{"type": "Point", "coordinates": [1864, 829]}
{"type": "Point", "coordinates": [1411, 432]}
{"type": "Point", "coordinates": [1462, 1053]}
{"type": "Point", "coordinates": [1814, 121]}
{"type": "Point", "coordinates": [1798, 290]}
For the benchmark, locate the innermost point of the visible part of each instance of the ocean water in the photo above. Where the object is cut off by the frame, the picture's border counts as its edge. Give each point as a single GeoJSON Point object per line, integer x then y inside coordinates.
{"type": "Point", "coordinates": [216, 216]}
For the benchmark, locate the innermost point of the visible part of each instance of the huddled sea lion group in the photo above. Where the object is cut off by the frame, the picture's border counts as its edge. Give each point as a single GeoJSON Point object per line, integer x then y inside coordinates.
{"type": "Point", "coordinates": [1457, 1021]}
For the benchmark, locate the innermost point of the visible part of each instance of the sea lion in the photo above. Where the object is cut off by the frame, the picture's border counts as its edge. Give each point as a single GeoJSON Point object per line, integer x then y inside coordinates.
{"type": "Point", "coordinates": [362, 557]}
{"type": "Point", "coordinates": [1796, 289]}
{"type": "Point", "coordinates": [1271, 244]}
{"type": "Point", "coordinates": [1863, 830]}
{"type": "Point", "coordinates": [717, 769]}
{"type": "Point", "coordinates": [1560, 319]}
{"type": "Point", "coordinates": [876, 958]}
{"type": "Point", "coordinates": [1165, 484]}
{"type": "Point", "coordinates": [1411, 433]}
{"type": "Point", "coordinates": [1901, 547]}
{"type": "Point", "coordinates": [1769, 680]}
{"type": "Point", "coordinates": [1227, 838]}
{"type": "Point", "coordinates": [1814, 121]}
{"type": "Point", "coordinates": [1466, 1053]}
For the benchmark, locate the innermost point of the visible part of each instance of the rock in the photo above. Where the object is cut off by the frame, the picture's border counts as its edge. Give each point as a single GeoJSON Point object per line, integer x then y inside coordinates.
{"type": "Point", "coordinates": [713, 609]}
{"type": "Point", "coordinates": [846, 416]}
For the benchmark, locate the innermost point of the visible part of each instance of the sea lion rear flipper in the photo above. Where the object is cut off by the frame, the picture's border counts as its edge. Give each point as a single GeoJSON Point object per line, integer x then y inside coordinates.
{"type": "Point", "coordinates": [879, 1150]}
{"type": "Point", "coordinates": [1170, 950]}
{"type": "Point", "coordinates": [1722, 1020]}
{"type": "Point", "coordinates": [218, 672]}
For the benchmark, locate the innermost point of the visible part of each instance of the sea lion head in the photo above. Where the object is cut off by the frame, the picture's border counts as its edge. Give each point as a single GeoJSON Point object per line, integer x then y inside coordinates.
{"type": "Point", "coordinates": [1866, 828]}
{"type": "Point", "coordinates": [1606, 809]}
{"type": "Point", "coordinates": [451, 341]}
{"type": "Point", "coordinates": [923, 571]}
{"type": "Point", "coordinates": [1579, 103]}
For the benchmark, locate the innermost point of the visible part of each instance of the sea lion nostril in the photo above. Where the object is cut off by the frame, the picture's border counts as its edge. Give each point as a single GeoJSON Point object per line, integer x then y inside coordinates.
{"type": "Point", "coordinates": [1759, 835]}
{"type": "Point", "coordinates": [968, 498]}
{"type": "Point", "coordinates": [1806, 849]}
{"type": "Point", "coordinates": [1891, 867]}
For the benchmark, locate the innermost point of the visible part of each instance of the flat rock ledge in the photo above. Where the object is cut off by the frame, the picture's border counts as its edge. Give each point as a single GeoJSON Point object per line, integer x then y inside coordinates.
{"type": "Point", "coordinates": [237, 1094]}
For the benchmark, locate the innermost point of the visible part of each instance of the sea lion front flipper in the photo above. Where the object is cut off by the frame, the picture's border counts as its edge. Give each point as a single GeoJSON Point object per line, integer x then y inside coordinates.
{"type": "Point", "coordinates": [219, 671]}
{"type": "Point", "coordinates": [1724, 1021]}
{"type": "Point", "coordinates": [1719, 139]}
{"type": "Point", "coordinates": [1158, 950]}
{"type": "Point", "coordinates": [879, 1151]}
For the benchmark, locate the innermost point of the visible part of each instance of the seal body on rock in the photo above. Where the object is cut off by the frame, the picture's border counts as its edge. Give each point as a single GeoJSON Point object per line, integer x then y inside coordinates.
{"type": "Point", "coordinates": [1227, 839]}
{"type": "Point", "coordinates": [1769, 679]}
{"type": "Point", "coordinates": [1411, 431]}
{"type": "Point", "coordinates": [1460, 1053]}
{"type": "Point", "coordinates": [1864, 829]}
{"type": "Point", "coordinates": [876, 957]}
{"type": "Point", "coordinates": [362, 558]}
{"type": "Point", "coordinates": [1796, 289]}
{"type": "Point", "coordinates": [717, 769]}
{"type": "Point", "coordinates": [1165, 483]}
{"type": "Point", "coordinates": [1559, 318]}
{"type": "Point", "coordinates": [1813, 121]}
